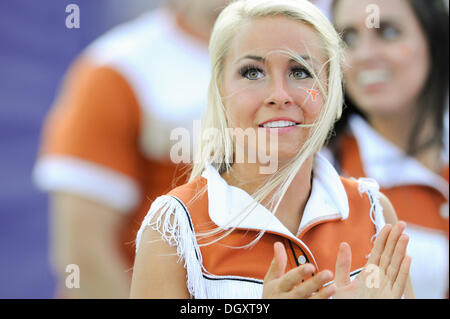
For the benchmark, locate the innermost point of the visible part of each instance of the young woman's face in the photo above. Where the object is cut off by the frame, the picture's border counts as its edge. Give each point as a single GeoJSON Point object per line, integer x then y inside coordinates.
{"type": "Point", "coordinates": [386, 66]}
{"type": "Point", "coordinates": [265, 90]}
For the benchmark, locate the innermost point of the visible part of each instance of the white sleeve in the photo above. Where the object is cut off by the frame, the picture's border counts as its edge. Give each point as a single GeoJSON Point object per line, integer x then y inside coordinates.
{"type": "Point", "coordinates": [84, 178]}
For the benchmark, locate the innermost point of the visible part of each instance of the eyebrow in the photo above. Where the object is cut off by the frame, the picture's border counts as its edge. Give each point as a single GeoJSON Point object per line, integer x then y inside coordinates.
{"type": "Point", "coordinates": [263, 60]}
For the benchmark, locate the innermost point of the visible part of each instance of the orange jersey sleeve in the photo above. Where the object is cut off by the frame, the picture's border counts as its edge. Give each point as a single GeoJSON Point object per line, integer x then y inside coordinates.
{"type": "Point", "coordinates": [92, 131]}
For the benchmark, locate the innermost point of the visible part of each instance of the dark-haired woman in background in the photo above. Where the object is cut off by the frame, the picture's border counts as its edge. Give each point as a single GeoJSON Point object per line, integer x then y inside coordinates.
{"type": "Point", "coordinates": [396, 82]}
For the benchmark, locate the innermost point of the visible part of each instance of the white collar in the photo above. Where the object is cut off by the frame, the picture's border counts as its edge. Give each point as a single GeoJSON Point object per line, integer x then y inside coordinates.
{"type": "Point", "coordinates": [328, 200]}
{"type": "Point", "coordinates": [387, 164]}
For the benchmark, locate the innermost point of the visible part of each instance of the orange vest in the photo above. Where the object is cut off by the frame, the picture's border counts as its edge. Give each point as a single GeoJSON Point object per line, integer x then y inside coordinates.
{"type": "Point", "coordinates": [425, 209]}
{"type": "Point", "coordinates": [416, 204]}
{"type": "Point", "coordinates": [318, 243]}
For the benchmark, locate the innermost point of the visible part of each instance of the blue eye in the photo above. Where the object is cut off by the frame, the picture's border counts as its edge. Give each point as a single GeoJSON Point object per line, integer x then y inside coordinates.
{"type": "Point", "coordinates": [300, 73]}
{"type": "Point", "coordinates": [251, 72]}
{"type": "Point", "coordinates": [349, 37]}
{"type": "Point", "coordinates": [388, 32]}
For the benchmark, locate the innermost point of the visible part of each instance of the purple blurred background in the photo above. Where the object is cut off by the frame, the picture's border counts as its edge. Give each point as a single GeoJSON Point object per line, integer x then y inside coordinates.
{"type": "Point", "coordinates": [36, 49]}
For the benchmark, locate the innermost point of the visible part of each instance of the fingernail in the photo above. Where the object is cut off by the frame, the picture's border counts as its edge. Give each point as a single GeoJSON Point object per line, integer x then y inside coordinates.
{"type": "Point", "coordinates": [307, 268]}
{"type": "Point", "coordinates": [331, 289]}
{"type": "Point", "coordinates": [326, 275]}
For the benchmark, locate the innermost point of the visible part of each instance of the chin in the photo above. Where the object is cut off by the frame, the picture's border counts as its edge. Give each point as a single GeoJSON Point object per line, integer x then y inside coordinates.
{"type": "Point", "coordinates": [380, 108]}
{"type": "Point", "coordinates": [286, 155]}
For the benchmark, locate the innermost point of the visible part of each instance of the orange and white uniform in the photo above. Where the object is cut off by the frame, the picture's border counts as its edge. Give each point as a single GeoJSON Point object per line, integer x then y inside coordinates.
{"type": "Point", "coordinates": [337, 210]}
{"type": "Point", "coordinates": [419, 197]}
{"type": "Point", "coordinates": [108, 136]}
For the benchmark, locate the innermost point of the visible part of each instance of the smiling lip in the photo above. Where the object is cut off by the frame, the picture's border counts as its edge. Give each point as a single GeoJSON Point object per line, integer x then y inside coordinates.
{"type": "Point", "coordinates": [374, 79]}
{"type": "Point", "coordinates": [278, 119]}
{"type": "Point", "coordinates": [279, 130]}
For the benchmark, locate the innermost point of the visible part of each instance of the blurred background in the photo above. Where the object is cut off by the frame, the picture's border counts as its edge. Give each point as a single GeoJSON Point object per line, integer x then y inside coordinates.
{"type": "Point", "coordinates": [36, 49]}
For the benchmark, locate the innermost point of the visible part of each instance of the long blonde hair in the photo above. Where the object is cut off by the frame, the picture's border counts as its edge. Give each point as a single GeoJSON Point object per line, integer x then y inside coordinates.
{"type": "Point", "coordinates": [218, 150]}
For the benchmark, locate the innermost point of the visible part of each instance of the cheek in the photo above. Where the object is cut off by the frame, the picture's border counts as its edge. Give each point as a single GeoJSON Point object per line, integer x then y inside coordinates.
{"type": "Point", "coordinates": [313, 108]}
{"type": "Point", "coordinates": [242, 103]}
{"type": "Point", "coordinates": [348, 69]}
{"type": "Point", "coordinates": [411, 65]}
{"type": "Point", "coordinates": [311, 102]}
{"type": "Point", "coordinates": [404, 53]}
{"type": "Point", "coordinates": [413, 59]}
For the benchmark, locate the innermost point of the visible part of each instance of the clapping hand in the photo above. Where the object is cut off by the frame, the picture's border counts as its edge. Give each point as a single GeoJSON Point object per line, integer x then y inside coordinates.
{"type": "Point", "coordinates": [386, 273]}
{"type": "Point", "coordinates": [293, 284]}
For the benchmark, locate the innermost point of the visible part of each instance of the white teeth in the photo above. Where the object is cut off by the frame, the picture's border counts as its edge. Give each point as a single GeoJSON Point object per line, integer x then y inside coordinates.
{"type": "Point", "coordinates": [278, 124]}
{"type": "Point", "coordinates": [373, 76]}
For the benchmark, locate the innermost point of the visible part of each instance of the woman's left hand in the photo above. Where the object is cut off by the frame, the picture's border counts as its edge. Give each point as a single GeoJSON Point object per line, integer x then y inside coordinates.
{"type": "Point", "coordinates": [386, 273]}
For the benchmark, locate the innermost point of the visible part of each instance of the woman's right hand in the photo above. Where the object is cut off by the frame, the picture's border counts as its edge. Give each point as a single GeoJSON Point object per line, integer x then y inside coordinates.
{"type": "Point", "coordinates": [292, 285]}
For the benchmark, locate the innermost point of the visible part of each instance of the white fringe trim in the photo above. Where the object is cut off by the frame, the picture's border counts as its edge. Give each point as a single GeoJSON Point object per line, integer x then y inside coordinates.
{"type": "Point", "coordinates": [233, 289]}
{"type": "Point", "coordinates": [372, 189]}
{"type": "Point", "coordinates": [177, 233]}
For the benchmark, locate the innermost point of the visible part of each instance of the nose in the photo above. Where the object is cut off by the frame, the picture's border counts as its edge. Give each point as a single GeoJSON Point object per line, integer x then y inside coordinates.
{"type": "Point", "coordinates": [279, 95]}
{"type": "Point", "coordinates": [366, 50]}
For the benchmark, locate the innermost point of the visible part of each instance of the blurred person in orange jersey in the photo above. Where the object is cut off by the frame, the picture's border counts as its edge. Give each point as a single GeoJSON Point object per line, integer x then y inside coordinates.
{"type": "Point", "coordinates": [106, 142]}
{"type": "Point", "coordinates": [396, 81]}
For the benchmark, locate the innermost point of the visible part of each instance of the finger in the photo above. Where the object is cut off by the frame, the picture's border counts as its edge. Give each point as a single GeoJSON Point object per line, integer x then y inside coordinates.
{"type": "Point", "coordinates": [279, 261]}
{"type": "Point", "coordinates": [295, 276]}
{"type": "Point", "coordinates": [379, 245]}
{"type": "Point", "coordinates": [397, 258]}
{"type": "Point", "coordinates": [312, 285]}
{"type": "Point", "coordinates": [343, 265]}
{"type": "Point", "coordinates": [325, 293]}
{"type": "Point", "coordinates": [402, 279]}
{"type": "Point", "coordinates": [409, 290]}
{"type": "Point", "coordinates": [391, 243]}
